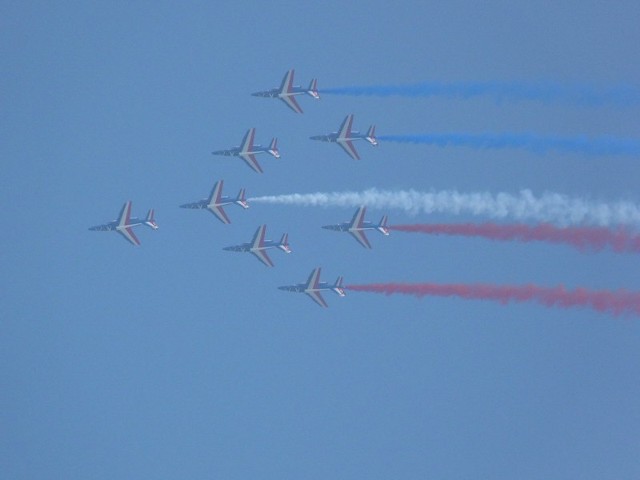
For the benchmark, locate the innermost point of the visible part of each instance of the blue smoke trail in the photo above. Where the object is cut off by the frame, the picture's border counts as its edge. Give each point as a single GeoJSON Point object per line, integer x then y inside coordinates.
{"type": "Point", "coordinates": [620, 95]}
{"type": "Point", "coordinates": [534, 143]}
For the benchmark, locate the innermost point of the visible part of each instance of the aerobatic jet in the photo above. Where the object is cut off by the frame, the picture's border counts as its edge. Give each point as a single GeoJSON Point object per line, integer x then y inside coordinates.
{"type": "Point", "coordinates": [259, 245]}
{"type": "Point", "coordinates": [357, 226]}
{"type": "Point", "coordinates": [314, 287]}
{"type": "Point", "coordinates": [124, 225]}
{"type": "Point", "coordinates": [216, 201]}
{"type": "Point", "coordinates": [345, 137]}
{"type": "Point", "coordinates": [248, 151]}
{"type": "Point", "coordinates": [288, 91]}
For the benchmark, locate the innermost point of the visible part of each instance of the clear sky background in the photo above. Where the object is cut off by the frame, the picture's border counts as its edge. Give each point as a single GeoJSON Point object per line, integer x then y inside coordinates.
{"type": "Point", "coordinates": [178, 360]}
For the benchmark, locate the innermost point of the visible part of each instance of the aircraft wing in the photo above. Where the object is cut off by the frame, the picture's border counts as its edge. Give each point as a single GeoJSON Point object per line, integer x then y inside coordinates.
{"type": "Point", "coordinates": [287, 81]}
{"type": "Point", "coordinates": [219, 213]}
{"type": "Point", "coordinates": [345, 128]}
{"type": "Point", "coordinates": [250, 159]}
{"type": "Point", "coordinates": [125, 215]}
{"type": "Point", "coordinates": [216, 192]}
{"type": "Point", "coordinates": [263, 257]}
{"type": "Point", "coordinates": [314, 278]}
{"type": "Point", "coordinates": [361, 238]}
{"type": "Point", "coordinates": [129, 235]}
{"type": "Point", "coordinates": [290, 101]}
{"type": "Point", "coordinates": [258, 237]}
{"type": "Point", "coordinates": [247, 141]}
{"type": "Point", "coordinates": [348, 147]}
{"type": "Point", "coordinates": [317, 297]}
{"type": "Point", "coordinates": [358, 217]}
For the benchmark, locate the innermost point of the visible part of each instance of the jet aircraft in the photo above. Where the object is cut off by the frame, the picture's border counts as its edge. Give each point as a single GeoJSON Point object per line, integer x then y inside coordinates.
{"type": "Point", "coordinates": [288, 91]}
{"type": "Point", "coordinates": [216, 201]}
{"type": "Point", "coordinates": [124, 225]}
{"type": "Point", "coordinates": [357, 227]}
{"type": "Point", "coordinates": [314, 287]}
{"type": "Point", "coordinates": [248, 151]}
{"type": "Point", "coordinates": [345, 137]}
{"type": "Point", "coordinates": [259, 245]}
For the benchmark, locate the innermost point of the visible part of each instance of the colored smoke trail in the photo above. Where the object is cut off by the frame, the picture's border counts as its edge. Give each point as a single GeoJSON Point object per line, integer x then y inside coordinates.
{"type": "Point", "coordinates": [534, 143]}
{"type": "Point", "coordinates": [613, 302]}
{"type": "Point", "coordinates": [582, 238]}
{"type": "Point", "coordinates": [547, 92]}
{"type": "Point", "coordinates": [548, 207]}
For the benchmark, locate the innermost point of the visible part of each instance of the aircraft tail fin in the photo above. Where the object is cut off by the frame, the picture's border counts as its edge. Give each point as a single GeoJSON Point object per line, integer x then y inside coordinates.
{"type": "Point", "coordinates": [284, 243]}
{"type": "Point", "coordinates": [241, 199]}
{"type": "Point", "coordinates": [338, 287]}
{"type": "Point", "coordinates": [150, 221]}
{"type": "Point", "coordinates": [273, 148]}
{"type": "Point", "coordinates": [382, 226]}
{"type": "Point", "coordinates": [371, 136]}
{"type": "Point", "coordinates": [313, 89]}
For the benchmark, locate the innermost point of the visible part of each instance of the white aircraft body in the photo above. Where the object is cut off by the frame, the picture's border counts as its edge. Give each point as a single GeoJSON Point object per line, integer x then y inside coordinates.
{"type": "Point", "coordinates": [124, 225]}
{"type": "Point", "coordinates": [345, 137]}
{"type": "Point", "coordinates": [357, 226]}
{"type": "Point", "coordinates": [259, 245]}
{"type": "Point", "coordinates": [314, 287]}
{"type": "Point", "coordinates": [216, 201]}
{"type": "Point", "coordinates": [248, 151]}
{"type": "Point", "coordinates": [288, 91]}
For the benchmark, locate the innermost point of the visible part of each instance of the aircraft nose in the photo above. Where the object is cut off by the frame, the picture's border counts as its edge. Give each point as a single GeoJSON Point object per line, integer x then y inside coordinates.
{"type": "Point", "coordinates": [282, 288]}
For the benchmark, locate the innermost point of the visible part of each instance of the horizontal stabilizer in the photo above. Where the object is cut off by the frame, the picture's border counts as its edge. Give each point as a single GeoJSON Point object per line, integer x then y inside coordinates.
{"type": "Point", "coordinates": [284, 243]}
{"type": "Point", "coordinates": [338, 287]}
{"type": "Point", "coordinates": [273, 148]}
{"type": "Point", "coordinates": [313, 89]}
{"type": "Point", "coordinates": [150, 221]}
{"type": "Point", "coordinates": [241, 199]}
{"type": "Point", "coordinates": [371, 136]}
{"type": "Point", "coordinates": [382, 226]}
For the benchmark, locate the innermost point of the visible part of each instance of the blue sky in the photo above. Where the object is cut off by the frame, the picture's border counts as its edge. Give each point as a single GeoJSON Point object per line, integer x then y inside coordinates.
{"type": "Point", "coordinates": [178, 359]}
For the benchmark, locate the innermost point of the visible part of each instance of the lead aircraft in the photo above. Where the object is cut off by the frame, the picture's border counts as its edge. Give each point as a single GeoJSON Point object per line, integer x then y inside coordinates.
{"type": "Point", "coordinates": [357, 226]}
{"type": "Point", "coordinates": [288, 91]}
{"type": "Point", "coordinates": [314, 287]}
{"type": "Point", "coordinates": [258, 245]}
{"type": "Point", "coordinates": [345, 137]}
{"type": "Point", "coordinates": [216, 201]}
{"type": "Point", "coordinates": [124, 225]}
{"type": "Point", "coordinates": [248, 151]}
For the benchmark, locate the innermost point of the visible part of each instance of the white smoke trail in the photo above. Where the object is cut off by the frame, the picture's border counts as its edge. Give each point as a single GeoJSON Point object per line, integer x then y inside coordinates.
{"type": "Point", "coordinates": [548, 207]}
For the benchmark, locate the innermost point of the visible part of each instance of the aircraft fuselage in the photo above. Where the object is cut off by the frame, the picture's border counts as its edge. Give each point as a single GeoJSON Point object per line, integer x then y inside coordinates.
{"type": "Point", "coordinates": [346, 227]}
{"type": "Point", "coordinates": [111, 226]}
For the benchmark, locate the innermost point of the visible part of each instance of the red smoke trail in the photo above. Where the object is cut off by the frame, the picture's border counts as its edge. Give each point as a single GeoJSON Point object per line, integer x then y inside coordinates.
{"type": "Point", "coordinates": [582, 238]}
{"type": "Point", "coordinates": [616, 303]}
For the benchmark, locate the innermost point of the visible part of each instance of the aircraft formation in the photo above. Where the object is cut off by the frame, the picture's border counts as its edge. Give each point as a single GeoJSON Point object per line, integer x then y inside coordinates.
{"type": "Point", "coordinates": [247, 152]}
